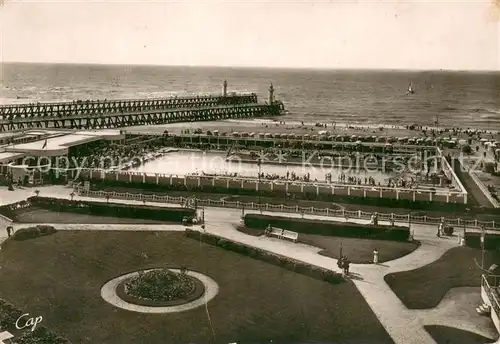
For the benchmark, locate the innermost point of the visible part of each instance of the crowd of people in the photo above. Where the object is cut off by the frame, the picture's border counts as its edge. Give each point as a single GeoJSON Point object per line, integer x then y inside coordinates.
{"type": "Point", "coordinates": [355, 180]}
{"type": "Point", "coordinates": [106, 155]}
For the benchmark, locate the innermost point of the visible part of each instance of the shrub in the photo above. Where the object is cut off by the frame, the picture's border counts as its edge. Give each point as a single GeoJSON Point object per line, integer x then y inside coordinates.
{"type": "Point", "coordinates": [268, 257]}
{"type": "Point", "coordinates": [33, 232]}
{"type": "Point", "coordinates": [330, 228]}
{"type": "Point", "coordinates": [41, 335]}
{"type": "Point", "coordinates": [175, 214]}
{"type": "Point", "coordinates": [491, 241]}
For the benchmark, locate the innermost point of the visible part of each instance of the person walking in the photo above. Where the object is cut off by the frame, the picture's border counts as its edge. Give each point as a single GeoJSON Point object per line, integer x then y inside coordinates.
{"type": "Point", "coordinates": [346, 265]}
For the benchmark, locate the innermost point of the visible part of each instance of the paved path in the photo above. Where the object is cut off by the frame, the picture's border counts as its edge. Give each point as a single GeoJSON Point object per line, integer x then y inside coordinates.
{"type": "Point", "coordinates": [402, 324]}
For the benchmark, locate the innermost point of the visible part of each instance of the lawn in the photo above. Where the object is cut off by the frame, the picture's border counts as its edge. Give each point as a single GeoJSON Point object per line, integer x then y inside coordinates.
{"type": "Point", "coordinates": [359, 251]}
{"type": "Point", "coordinates": [424, 287]}
{"type": "Point", "coordinates": [451, 335]}
{"type": "Point", "coordinates": [61, 277]}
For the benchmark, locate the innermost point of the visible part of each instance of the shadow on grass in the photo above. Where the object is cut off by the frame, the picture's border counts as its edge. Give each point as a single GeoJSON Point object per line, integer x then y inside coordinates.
{"type": "Point", "coordinates": [451, 335]}
{"type": "Point", "coordinates": [425, 287]}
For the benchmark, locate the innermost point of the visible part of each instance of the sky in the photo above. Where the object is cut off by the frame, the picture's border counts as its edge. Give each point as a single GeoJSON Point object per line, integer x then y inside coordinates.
{"type": "Point", "coordinates": [456, 35]}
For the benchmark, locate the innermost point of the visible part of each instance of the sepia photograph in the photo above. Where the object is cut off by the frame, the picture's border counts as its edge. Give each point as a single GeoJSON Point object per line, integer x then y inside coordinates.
{"type": "Point", "coordinates": [249, 172]}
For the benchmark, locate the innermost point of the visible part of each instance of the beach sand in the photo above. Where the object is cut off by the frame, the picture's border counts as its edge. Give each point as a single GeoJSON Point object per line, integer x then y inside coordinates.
{"type": "Point", "coordinates": [291, 128]}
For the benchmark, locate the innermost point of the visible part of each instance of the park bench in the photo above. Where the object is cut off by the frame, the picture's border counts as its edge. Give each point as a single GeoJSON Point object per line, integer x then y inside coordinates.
{"type": "Point", "coordinates": [291, 235]}
{"type": "Point", "coordinates": [283, 234]}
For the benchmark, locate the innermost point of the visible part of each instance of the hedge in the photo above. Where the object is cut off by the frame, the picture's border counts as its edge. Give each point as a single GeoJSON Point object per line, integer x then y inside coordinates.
{"type": "Point", "coordinates": [371, 201]}
{"type": "Point", "coordinates": [33, 232]}
{"type": "Point", "coordinates": [329, 228]}
{"type": "Point", "coordinates": [9, 210]}
{"type": "Point", "coordinates": [175, 214]}
{"type": "Point", "coordinates": [41, 335]}
{"type": "Point", "coordinates": [268, 257]}
{"type": "Point", "coordinates": [491, 241]}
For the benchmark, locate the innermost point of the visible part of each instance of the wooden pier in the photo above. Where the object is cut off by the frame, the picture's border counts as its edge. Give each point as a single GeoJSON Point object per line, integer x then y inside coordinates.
{"type": "Point", "coordinates": [101, 114]}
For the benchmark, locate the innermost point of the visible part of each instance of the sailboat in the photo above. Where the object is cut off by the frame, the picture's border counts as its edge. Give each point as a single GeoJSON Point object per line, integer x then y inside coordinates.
{"type": "Point", "coordinates": [410, 89]}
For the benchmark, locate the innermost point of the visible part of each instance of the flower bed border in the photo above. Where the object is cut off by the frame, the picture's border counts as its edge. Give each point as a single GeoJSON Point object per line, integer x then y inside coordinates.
{"type": "Point", "coordinates": [198, 292]}
{"type": "Point", "coordinates": [290, 264]}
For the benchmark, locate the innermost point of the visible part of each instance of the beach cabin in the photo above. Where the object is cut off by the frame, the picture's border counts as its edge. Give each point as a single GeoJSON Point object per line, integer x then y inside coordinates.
{"type": "Point", "coordinates": [215, 132]}
{"type": "Point", "coordinates": [276, 135]}
{"type": "Point", "coordinates": [262, 135]}
{"type": "Point", "coordinates": [268, 136]}
{"type": "Point", "coordinates": [339, 138]}
{"type": "Point", "coordinates": [331, 138]}
{"type": "Point", "coordinates": [252, 134]}
{"type": "Point", "coordinates": [284, 136]}
{"type": "Point", "coordinates": [244, 134]}
{"type": "Point", "coordinates": [236, 134]}
{"type": "Point", "coordinates": [291, 136]}
{"type": "Point", "coordinates": [354, 138]}
{"type": "Point", "coordinates": [314, 137]}
{"type": "Point", "coordinates": [306, 136]}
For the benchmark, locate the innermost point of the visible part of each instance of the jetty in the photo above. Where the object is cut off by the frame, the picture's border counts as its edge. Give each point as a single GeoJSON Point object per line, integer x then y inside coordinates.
{"type": "Point", "coordinates": [110, 114]}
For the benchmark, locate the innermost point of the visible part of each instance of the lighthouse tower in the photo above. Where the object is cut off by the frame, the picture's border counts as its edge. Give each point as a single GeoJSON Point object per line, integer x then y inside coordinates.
{"type": "Point", "coordinates": [271, 94]}
{"type": "Point", "coordinates": [224, 88]}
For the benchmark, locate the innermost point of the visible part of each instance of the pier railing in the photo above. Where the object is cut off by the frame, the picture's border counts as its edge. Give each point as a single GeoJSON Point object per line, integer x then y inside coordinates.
{"type": "Point", "coordinates": [353, 214]}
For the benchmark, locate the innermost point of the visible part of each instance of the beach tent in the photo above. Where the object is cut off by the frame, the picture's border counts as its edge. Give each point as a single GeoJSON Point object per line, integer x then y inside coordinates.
{"type": "Point", "coordinates": [322, 132]}
{"type": "Point", "coordinates": [483, 140]}
{"type": "Point", "coordinates": [358, 142]}
{"type": "Point", "coordinates": [262, 135]}
{"type": "Point", "coordinates": [267, 135]}
{"type": "Point", "coordinates": [252, 134]}
{"type": "Point", "coordinates": [462, 142]}
{"type": "Point", "coordinates": [215, 132]}
{"type": "Point", "coordinates": [283, 136]}
{"type": "Point", "coordinates": [236, 134]}
{"type": "Point", "coordinates": [291, 136]}
{"type": "Point", "coordinates": [276, 135]}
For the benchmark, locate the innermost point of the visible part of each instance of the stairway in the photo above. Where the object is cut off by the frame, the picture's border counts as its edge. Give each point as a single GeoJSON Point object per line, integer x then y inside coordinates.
{"type": "Point", "coordinates": [483, 309]}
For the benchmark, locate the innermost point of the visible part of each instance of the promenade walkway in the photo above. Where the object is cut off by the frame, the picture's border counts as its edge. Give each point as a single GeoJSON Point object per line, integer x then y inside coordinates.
{"type": "Point", "coordinates": [403, 325]}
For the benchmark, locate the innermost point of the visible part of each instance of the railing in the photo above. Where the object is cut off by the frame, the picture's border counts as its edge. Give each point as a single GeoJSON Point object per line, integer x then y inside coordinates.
{"type": "Point", "coordinates": [492, 295]}
{"type": "Point", "coordinates": [353, 214]}
{"type": "Point", "coordinates": [484, 189]}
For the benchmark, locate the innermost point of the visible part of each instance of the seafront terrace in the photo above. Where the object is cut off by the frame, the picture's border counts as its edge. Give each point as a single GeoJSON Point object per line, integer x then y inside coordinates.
{"type": "Point", "coordinates": [443, 195]}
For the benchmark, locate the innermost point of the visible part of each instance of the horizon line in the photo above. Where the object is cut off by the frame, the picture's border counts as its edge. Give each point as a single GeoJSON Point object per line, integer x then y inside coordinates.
{"type": "Point", "coordinates": [256, 67]}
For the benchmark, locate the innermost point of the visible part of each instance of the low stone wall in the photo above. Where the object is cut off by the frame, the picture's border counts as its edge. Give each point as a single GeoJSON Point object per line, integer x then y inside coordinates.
{"type": "Point", "coordinates": [283, 186]}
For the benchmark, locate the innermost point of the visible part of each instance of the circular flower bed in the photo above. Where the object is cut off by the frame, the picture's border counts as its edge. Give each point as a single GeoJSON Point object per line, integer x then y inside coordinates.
{"type": "Point", "coordinates": [160, 287]}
